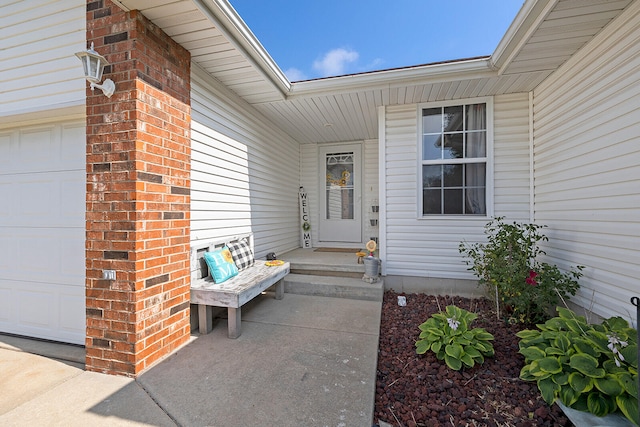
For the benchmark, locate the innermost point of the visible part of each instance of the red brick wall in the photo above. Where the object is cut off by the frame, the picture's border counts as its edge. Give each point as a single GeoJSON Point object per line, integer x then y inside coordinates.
{"type": "Point", "coordinates": [138, 194]}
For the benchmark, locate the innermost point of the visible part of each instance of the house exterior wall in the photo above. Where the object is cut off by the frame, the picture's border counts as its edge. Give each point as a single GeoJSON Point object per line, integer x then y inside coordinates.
{"type": "Point", "coordinates": [511, 144]}
{"type": "Point", "coordinates": [587, 166]}
{"type": "Point", "coordinates": [310, 180]}
{"type": "Point", "coordinates": [416, 249]}
{"type": "Point", "coordinates": [245, 172]}
{"type": "Point", "coordinates": [370, 191]}
{"type": "Point", "coordinates": [42, 151]}
{"type": "Point", "coordinates": [138, 195]}
{"type": "Point", "coordinates": [36, 70]}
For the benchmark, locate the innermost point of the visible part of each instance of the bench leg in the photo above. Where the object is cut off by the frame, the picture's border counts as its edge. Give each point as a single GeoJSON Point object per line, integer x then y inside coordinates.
{"type": "Point", "coordinates": [280, 289]}
{"type": "Point", "coordinates": [205, 318]}
{"type": "Point", "coordinates": [234, 315]}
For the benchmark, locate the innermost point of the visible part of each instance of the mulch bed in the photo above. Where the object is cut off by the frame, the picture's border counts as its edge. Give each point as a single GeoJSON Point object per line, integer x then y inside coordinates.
{"type": "Point", "coordinates": [419, 390]}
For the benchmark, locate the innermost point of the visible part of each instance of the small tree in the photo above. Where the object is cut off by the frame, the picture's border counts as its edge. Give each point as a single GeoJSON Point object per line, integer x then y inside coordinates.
{"type": "Point", "coordinates": [508, 266]}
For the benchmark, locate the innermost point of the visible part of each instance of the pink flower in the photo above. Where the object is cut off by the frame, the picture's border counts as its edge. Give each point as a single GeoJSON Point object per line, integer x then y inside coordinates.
{"type": "Point", "coordinates": [531, 280]}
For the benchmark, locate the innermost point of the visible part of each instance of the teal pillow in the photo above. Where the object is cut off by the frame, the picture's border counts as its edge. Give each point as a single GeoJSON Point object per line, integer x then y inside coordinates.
{"type": "Point", "coordinates": [221, 264]}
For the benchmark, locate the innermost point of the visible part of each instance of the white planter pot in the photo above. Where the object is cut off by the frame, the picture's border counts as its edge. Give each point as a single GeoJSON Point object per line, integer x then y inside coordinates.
{"type": "Point", "coordinates": [587, 419]}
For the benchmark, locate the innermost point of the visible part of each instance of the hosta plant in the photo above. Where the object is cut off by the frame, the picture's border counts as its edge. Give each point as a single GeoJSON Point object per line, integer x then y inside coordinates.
{"type": "Point", "coordinates": [588, 367]}
{"type": "Point", "coordinates": [449, 336]}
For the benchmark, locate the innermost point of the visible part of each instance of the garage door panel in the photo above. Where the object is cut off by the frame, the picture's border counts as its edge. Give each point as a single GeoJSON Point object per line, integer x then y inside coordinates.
{"type": "Point", "coordinates": [70, 155]}
{"type": "Point", "coordinates": [7, 254]}
{"type": "Point", "coordinates": [42, 231]}
{"type": "Point", "coordinates": [8, 204]}
{"type": "Point", "coordinates": [52, 199]}
{"type": "Point", "coordinates": [43, 148]}
{"type": "Point", "coordinates": [43, 255]}
{"type": "Point", "coordinates": [8, 148]}
{"type": "Point", "coordinates": [38, 255]}
{"type": "Point", "coordinates": [51, 311]}
{"type": "Point", "coordinates": [38, 149]}
{"type": "Point", "coordinates": [71, 207]}
{"type": "Point", "coordinates": [6, 298]}
{"type": "Point", "coordinates": [35, 304]}
{"type": "Point", "coordinates": [72, 265]}
{"type": "Point", "coordinates": [36, 193]}
{"type": "Point", "coordinates": [72, 313]}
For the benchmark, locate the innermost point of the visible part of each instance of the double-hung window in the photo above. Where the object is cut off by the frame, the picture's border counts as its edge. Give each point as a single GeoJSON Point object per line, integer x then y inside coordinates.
{"type": "Point", "coordinates": [453, 166]}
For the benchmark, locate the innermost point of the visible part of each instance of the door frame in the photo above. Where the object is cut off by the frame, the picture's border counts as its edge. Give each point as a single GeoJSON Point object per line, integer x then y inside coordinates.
{"type": "Point", "coordinates": [355, 225]}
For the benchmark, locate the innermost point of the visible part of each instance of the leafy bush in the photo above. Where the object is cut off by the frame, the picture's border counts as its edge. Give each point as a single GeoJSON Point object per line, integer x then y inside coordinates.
{"type": "Point", "coordinates": [449, 337]}
{"type": "Point", "coordinates": [508, 266]}
{"type": "Point", "coordinates": [588, 367]}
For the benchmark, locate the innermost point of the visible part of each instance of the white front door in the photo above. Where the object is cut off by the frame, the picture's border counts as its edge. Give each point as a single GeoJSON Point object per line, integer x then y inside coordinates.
{"type": "Point", "coordinates": [42, 231]}
{"type": "Point", "coordinates": [340, 194]}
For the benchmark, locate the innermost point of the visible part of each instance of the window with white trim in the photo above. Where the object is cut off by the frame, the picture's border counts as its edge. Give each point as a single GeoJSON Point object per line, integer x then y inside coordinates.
{"type": "Point", "coordinates": [453, 167]}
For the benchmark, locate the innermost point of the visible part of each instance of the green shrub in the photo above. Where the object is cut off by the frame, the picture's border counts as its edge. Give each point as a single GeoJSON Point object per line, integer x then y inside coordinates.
{"type": "Point", "coordinates": [591, 368]}
{"type": "Point", "coordinates": [449, 337]}
{"type": "Point", "coordinates": [508, 266]}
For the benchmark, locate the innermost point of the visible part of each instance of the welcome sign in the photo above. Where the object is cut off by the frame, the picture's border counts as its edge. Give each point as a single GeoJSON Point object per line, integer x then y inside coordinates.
{"type": "Point", "coordinates": [305, 225]}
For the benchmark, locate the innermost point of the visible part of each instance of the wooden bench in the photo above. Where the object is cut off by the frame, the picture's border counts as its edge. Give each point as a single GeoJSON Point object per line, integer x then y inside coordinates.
{"type": "Point", "coordinates": [232, 293]}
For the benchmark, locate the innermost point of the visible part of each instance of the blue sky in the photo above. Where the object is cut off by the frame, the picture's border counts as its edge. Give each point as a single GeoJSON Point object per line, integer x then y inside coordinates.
{"type": "Point", "coordinates": [319, 38]}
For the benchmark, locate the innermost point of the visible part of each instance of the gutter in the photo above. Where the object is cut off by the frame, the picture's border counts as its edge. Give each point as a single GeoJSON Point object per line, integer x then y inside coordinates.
{"type": "Point", "coordinates": [421, 74]}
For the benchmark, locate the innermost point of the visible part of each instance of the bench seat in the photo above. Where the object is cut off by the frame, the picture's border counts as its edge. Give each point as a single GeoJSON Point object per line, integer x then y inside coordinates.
{"type": "Point", "coordinates": [234, 293]}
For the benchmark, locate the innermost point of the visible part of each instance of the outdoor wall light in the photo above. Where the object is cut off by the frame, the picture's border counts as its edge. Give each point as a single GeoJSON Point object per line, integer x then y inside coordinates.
{"type": "Point", "coordinates": [94, 64]}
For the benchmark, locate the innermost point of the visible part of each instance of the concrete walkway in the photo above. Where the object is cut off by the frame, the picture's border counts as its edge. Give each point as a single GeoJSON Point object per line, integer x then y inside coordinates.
{"type": "Point", "coordinates": [300, 361]}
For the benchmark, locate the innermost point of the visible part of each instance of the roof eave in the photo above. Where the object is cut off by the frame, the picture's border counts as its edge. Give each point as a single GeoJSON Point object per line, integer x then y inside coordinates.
{"type": "Point", "coordinates": [238, 33]}
{"type": "Point", "coordinates": [531, 15]}
{"type": "Point", "coordinates": [428, 73]}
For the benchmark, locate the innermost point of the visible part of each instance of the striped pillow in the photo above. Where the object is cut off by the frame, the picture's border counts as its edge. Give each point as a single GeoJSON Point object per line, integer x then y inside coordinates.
{"type": "Point", "coordinates": [242, 254]}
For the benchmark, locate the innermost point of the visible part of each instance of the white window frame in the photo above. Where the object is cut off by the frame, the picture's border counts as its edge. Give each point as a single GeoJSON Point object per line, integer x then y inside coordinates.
{"type": "Point", "coordinates": [489, 190]}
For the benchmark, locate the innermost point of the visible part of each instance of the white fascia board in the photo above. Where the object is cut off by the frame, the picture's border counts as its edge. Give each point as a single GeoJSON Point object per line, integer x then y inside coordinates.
{"type": "Point", "coordinates": [531, 15]}
{"type": "Point", "coordinates": [227, 20]}
{"type": "Point", "coordinates": [422, 74]}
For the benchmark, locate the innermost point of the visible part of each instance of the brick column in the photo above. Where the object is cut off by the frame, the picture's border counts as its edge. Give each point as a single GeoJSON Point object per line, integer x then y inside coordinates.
{"type": "Point", "coordinates": [138, 194]}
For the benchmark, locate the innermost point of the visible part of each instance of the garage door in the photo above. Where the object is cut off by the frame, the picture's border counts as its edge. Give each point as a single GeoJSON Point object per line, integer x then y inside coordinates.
{"type": "Point", "coordinates": [42, 233]}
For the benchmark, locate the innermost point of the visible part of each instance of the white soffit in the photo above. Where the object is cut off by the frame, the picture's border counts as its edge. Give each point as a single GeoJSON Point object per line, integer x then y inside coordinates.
{"type": "Point", "coordinates": [544, 34]}
{"type": "Point", "coordinates": [220, 43]}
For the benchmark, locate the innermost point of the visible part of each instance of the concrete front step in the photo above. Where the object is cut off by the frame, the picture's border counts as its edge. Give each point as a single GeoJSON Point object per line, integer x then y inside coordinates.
{"type": "Point", "coordinates": [333, 272]}
{"type": "Point", "coordinates": [331, 286]}
{"type": "Point", "coordinates": [355, 271]}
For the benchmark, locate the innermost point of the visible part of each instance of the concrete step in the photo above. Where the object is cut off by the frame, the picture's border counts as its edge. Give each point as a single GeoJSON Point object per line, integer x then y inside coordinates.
{"type": "Point", "coordinates": [332, 286]}
{"type": "Point", "coordinates": [355, 271]}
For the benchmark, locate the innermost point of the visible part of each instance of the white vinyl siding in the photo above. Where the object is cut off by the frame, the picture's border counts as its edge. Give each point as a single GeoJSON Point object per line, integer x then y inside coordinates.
{"type": "Point", "coordinates": [587, 168]}
{"type": "Point", "coordinates": [416, 247]}
{"type": "Point", "coordinates": [244, 171]}
{"type": "Point", "coordinates": [42, 231]}
{"type": "Point", "coordinates": [370, 192]}
{"type": "Point", "coordinates": [429, 247]}
{"type": "Point", "coordinates": [511, 179]}
{"type": "Point", "coordinates": [38, 68]}
{"type": "Point", "coordinates": [310, 180]}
